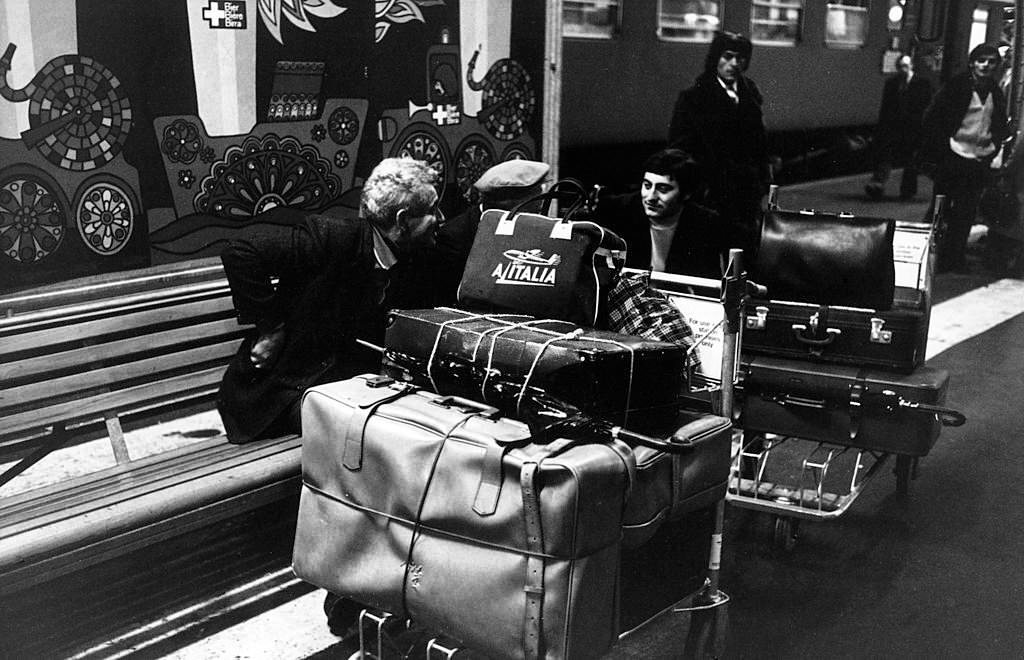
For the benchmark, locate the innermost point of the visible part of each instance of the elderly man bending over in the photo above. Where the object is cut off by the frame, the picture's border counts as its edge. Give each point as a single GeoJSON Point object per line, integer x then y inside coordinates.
{"type": "Point", "coordinates": [333, 272]}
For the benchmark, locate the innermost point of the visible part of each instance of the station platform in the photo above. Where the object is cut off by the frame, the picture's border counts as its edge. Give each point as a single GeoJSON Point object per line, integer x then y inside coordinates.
{"type": "Point", "coordinates": [929, 574]}
{"type": "Point", "coordinates": [846, 194]}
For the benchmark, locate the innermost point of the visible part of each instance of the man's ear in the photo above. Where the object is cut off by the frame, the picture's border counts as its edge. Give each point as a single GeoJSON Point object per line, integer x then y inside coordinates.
{"type": "Point", "coordinates": [400, 224]}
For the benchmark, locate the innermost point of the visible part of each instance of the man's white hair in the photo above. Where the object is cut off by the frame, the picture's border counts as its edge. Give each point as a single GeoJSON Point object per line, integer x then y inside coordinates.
{"type": "Point", "coordinates": [395, 184]}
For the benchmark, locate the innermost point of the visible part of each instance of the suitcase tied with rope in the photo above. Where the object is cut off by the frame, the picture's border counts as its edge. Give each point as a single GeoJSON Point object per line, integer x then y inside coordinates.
{"type": "Point", "coordinates": [628, 380]}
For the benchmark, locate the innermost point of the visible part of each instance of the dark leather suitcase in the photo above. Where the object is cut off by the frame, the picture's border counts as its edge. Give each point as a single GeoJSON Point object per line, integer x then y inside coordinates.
{"type": "Point", "coordinates": [841, 404]}
{"type": "Point", "coordinates": [601, 373]}
{"type": "Point", "coordinates": [671, 485]}
{"type": "Point", "coordinates": [431, 508]}
{"type": "Point", "coordinates": [892, 339]}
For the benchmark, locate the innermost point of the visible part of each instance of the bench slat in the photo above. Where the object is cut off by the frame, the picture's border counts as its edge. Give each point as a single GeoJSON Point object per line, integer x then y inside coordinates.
{"type": "Point", "coordinates": [116, 485]}
{"type": "Point", "coordinates": [130, 399]}
{"type": "Point", "coordinates": [24, 341]}
{"type": "Point", "coordinates": [113, 376]}
{"type": "Point", "coordinates": [136, 518]}
{"type": "Point", "coordinates": [35, 367]}
{"type": "Point", "coordinates": [111, 306]}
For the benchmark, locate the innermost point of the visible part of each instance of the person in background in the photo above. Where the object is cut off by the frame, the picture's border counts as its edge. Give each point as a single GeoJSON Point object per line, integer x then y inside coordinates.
{"type": "Point", "coordinates": [963, 129]}
{"type": "Point", "coordinates": [333, 272]}
{"type": "Point", "coordinates": [503, 186]}
{"type": "Point", "coordinates": [905, 96]}
{"type": "Point", "coordinates": [1001, 202]}
{"type": "Point", "coordinates": [665, 229]}
{"type": "Point", "coordinates": [719, 122]}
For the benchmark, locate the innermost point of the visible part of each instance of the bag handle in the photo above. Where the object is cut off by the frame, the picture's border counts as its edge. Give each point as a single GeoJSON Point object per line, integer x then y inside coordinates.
{"type": "Point", "coordinates": [558, 189]}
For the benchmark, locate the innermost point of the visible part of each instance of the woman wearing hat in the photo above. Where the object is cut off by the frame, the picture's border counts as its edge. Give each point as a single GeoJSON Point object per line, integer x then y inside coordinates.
{"type": "Point", "coordinates": [719, 122]}
{"type": "Point", "coordinates": [964, 127]}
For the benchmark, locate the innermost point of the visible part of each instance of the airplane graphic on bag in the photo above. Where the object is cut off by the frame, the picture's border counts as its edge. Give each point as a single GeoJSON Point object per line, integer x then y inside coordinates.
{"type": "Point", "coordinates": [527, 268]}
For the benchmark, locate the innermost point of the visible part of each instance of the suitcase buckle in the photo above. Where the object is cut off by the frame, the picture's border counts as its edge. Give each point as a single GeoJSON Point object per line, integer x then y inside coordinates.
{"type": "Point", "coordinates": [378, 381]}
{"type": "Point", "coordinates": [878, 335]}
{"type": "Point", "coordinates": [759, 320]}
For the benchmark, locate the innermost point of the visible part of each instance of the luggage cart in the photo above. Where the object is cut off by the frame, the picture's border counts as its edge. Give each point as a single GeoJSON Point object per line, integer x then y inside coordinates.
{"type": "Point", "coordinates": [382, 635]}
{"type": "Point", "coordinates": [808, 499]}
{"type": "Point", "coordinates": [811, 468]}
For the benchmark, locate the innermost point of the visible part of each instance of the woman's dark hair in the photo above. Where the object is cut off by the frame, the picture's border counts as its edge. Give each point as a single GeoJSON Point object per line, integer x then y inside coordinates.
{"type": "Point", "coordinates": [724, 41]}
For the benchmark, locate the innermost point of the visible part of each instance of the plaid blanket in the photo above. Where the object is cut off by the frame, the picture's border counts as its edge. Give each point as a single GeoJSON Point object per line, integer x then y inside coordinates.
{"type": "Point", "coordinates": [636, 308]}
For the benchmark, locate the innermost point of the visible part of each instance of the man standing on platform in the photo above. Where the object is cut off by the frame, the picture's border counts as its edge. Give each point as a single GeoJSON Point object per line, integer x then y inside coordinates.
{"type": "Point", "coordinates": [904, 99]}
{"type": "Point", "coordinates": [718, 121]}
{"type": "Point", "coordinates": [964, 127]}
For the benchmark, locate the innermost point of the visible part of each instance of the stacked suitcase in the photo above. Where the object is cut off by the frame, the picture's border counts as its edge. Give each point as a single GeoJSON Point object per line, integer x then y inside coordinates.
{"type": "Point", "coordinates": [844, 375]}
{"type": "Point", "coordinates": [479, 486]}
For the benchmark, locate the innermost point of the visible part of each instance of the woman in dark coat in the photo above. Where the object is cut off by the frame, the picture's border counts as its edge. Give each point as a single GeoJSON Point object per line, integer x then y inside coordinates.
{"type": "Point", "coordinates": [719, 122]}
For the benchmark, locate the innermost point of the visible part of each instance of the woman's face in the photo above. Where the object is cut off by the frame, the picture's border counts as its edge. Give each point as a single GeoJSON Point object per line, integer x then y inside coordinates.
{"type": "Point", "coordinates": [984, 66]}
{"type": "Point", "coordinates": [730, 65]}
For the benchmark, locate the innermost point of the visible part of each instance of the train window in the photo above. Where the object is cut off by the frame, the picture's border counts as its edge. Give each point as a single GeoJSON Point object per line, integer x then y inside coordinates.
{"type": "Point", "coordinates": [776, 22]}
{"type": "Point", "coordinates": [591, 19]}
{"type": "Point", "coordinates": [688, 20]}
{"type": "Point", "coordinates": [979, 27]}
{"type": "Point", "coordinates": [846, 23]}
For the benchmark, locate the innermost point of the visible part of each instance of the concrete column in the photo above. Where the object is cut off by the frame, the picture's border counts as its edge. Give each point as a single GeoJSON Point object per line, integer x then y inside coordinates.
{"type": "Point", "coordinates": [224, 60]}
{"type": "Point", "coordinates": [41, 31]}
{"type": "Point", "coordinates": [483, 23]}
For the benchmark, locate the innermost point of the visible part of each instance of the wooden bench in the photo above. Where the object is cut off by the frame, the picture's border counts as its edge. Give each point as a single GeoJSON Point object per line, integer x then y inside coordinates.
{"type": "Point", "coordinates": [97, 357]}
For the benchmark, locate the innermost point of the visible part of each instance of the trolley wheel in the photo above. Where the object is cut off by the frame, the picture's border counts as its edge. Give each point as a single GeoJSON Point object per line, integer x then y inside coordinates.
{"type": "Point", "coordinates": [905, 471]}
{"type": "Point", "coordinates": [784, 533]}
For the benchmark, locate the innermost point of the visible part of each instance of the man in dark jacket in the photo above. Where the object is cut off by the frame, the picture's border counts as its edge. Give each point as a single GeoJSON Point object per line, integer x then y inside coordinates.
{"type": "Point", "coordinates": [333, 272]}
{"type": "Point", "coordinates": [664, 229]}
{"type": "Point", "coordinates": [719, 122]}
{"type": "Point", "coordinates": [905, 96]}
{"type": "Point", "coordinates": [964, 127]}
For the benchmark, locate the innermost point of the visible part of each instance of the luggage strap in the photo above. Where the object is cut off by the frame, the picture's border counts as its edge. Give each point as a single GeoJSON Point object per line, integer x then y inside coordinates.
{"type": "Point", "coordinates": [410, 570]}
{"type": "Point", "coordinates": [856, 403]}
{"type": "Point", "coordinates": [352, 456]}
{"type": "Point", "coordinates": [534, 587]}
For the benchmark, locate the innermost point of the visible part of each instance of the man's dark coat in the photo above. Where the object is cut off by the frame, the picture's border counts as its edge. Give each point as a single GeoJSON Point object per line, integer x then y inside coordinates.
{"type": "Point", "coordinates": [944, 115]}
{"type": "Point", "coordinates": [696, 245]}
{"type": "Point", "coordinates": [899, 116]}
{"type": "Point", "coordinates": [728, 141]}
{"type": "Point", "coordinates": [328, 295]}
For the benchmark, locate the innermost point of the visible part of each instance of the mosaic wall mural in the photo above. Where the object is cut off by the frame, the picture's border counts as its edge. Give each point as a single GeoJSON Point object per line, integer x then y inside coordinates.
{"type": "Point", "coordinates": [68, 202]}
{"type": "Point", "coordinates": [136, 145]}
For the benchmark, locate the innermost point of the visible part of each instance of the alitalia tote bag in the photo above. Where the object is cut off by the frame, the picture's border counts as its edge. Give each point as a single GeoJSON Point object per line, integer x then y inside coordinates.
{"type": "Point", "coordinates": [547, 267]}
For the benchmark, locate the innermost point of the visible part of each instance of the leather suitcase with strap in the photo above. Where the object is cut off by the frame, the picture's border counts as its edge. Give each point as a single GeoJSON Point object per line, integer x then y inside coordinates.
{"type": "Point", "coordinates": [845, 405]}
{"type": "Point", "coordinates": [437, 509]}
{"type": "Point", "coordinates": [895, 338]}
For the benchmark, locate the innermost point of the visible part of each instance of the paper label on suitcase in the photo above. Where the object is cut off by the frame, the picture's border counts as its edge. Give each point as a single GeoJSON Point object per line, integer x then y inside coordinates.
{"type": "Point", "coordinates": [910, 257]}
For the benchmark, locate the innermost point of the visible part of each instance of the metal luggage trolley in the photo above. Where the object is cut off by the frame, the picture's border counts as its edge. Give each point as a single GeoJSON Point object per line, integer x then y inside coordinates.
{"type": "Point", "coordinates": [714, 311]}
{"type": "Point", "coordinates": [825, 477]}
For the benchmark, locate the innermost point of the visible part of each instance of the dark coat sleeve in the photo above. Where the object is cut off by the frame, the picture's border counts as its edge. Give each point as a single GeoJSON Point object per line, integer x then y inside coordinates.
{"type": "Point", "coordinates": [280, 246]}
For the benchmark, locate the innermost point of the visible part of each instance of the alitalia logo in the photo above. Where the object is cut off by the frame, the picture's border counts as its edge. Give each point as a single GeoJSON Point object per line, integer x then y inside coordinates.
{"type": "Point", "coordinates": [529, 268]}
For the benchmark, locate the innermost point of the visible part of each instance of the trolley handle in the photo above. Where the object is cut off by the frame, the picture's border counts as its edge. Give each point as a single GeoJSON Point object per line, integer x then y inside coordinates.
{"type": "Point", "coordinates": [890, 400]}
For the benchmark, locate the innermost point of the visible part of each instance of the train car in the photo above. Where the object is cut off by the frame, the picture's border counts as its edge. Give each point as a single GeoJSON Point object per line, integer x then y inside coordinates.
{"type": "Point", "coordinates": [820, 66]}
